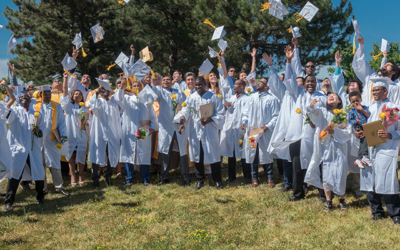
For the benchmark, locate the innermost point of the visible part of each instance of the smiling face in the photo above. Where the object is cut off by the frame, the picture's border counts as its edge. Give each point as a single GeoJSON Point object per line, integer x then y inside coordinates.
{"type": "Point", "coordinates": [388, 70]}
{"type": "Point", "coordinates": [262, 85]}
{"type": "Point", "coordinates": [190, 82]}
{"type": "Point", "coordinates": [46, 96]}
{"type": "Point", "coordinates": [57, 85]}
{"type": "Point", "coordinates": [24, 100]}
{"type": "Point", "coordinates": [212, 78]}
{"type": "Point", "coordinates": [243, 76]}
{"type": "Point", "coordinates": [166, 82]}
{"type": "Point", "coordinates": [138, 86]}
{"type": "Point", "coordinates": [86, 80]}
{"type": "Point", "coordinates": [122, 81]}
{"type": "Point", "coordinates": [380, 93]}
{"type": "Point", "coordinates": [232, 72]}
{"type": "Point", "coordinates": [200, 85]}
{"type": "Point", "coordinates": [310, 84]}
{"type": "Point", "coordinates": [333, 101]}
{"type": "Point", "coordinates": [77, 96]}
{"type": "Point", "coordinates": [353, 86]}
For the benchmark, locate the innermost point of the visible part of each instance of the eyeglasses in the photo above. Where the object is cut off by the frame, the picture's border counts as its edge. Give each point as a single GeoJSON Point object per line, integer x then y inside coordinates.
{"type": "Point", "coordinates": [376, 90]}
{"type": "Point", "coordinates": [310, 66]}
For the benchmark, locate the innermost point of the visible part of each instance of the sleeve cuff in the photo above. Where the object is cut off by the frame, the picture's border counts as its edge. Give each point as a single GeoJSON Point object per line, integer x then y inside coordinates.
{"type": "Point", "coordinates": [395, 136]}
{"type": "Point", "coordinates": [244, 122]}
{"type": "Point", "coordinates": [337, 71]}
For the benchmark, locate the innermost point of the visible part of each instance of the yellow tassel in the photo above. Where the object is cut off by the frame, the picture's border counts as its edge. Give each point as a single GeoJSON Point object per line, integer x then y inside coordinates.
{"type": "Point", "coordinates": [110, 66]}
{"type": "Point", "coordinates": [208, 22]}
{"type": "Point", "coordinates": [354, 44]}
{"type": "Point", "coordinates": [152, 74]}
{"type": "Point", "coordinates": [128, 86]}
{"type": "Point", "coordinates": [218, 64]}
{"type": "Point", "coordinates": [206, 77]}
{"type": "Point", "coordinates": [372, 96]}
{"type": "Point", "coordinates": [289, 30]}
{"type": "Point", "coordinates": [71, 75]}
{"type": "Point", "coordinates": [299, 17]}
{"type": "Point", "coordinates": [121, 2]}
{"type": "Point", "coordinates": [376, 57]}
{"type": "Point", "coordinates": [121, 74]}
{"type": "Point", "coordinates": [265, 7]}
{"type": "Point", "coordinates": [83, 53]}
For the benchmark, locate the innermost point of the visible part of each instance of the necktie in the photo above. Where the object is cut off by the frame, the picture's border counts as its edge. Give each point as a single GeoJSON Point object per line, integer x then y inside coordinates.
{"type": "Point", "coordinates": [26, 109]}
{"type": "Point", "coordinates": [86, 89]}
{"type": "Point", "coordinates": [237, 96]}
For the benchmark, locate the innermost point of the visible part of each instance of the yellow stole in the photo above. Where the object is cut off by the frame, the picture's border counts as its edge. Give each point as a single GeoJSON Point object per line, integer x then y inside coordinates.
{"type": "Point", "coordinates": [53, 115]}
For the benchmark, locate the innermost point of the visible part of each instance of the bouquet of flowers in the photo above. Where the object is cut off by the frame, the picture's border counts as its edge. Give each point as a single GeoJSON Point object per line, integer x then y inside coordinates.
{"type": "Point", "coordinates": [142, 133]}
{"type": "Point", "coordinates": [389, 116]}
{"type": "Point", "coordinates": [339, 120]}
{"type": "Point", "coordinates": [307, 120]}
{"type": "Point", "coordinates": [84, 116]}
{"type": "Point", "coordinates": [252, 140]}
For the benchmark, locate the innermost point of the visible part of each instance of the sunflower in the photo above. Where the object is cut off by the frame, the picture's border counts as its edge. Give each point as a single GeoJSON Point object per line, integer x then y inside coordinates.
{"type": "Point", "coordinates": [298, 111]}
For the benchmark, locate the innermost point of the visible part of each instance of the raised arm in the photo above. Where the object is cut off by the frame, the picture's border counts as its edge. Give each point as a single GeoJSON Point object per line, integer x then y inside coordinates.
{"type": "Point", "coordinates": [290, 79]}
{"type": "Point", "coordinates": [9, 92]}
{"type": "Point", "coordinates": [384, 59]}
{"type": "Point", "coordinates": [65, 84]}
{"type": "Point", "coordinates": [119, 96]}
{"type": "Point", "coordinates": [253, 62]}
{"type": "Point", "coordinates": [337, 81]}
{"type": "Point", "coordinates": [222, 62]}
{"type": "Point", "coordinates": [132, 59]}
{"type": "Point", "coordinates": [297, 69]}
{"type": "Point", "coordinates": [274, 83]}
{"type": "Point", "coordinates": [360, 65]}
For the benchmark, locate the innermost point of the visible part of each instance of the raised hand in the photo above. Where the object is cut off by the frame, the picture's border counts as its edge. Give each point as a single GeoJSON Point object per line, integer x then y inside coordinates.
{"type": "Point", "coordinates": [314, 102]}
{"type": "Point", "coordinates": [30, 87]}
{"type": "Point", "coordinates": [132, 49]}
{"type": "Point", "coordinates": [338, 58]}
{"type": "Point", "coordinates": [12, 68]}
{"type": "Point", "coordinates": [267, 59]}
{"type": "Point", "coordinates": [254, 52]}
{"type": "Point", "coordinates": [360, 40]}
{"type": "Point", "coordinates": [385, 54]}
{"type": "Point", "coordinates": [295, 42]}
{"type": "Point", "coordinates": [65, 75]}
{"type": "Point", "coordinates": [75, 52]}
{"type": "Point", "coordinates": [289, 53]}
{"type": "Point", "coordinates": [3, 83]}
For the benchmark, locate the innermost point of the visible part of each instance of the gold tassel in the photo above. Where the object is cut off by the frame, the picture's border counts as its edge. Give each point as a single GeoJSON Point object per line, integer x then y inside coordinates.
{"type": "Point", "coordinates": [110, 66]}
{"type": "Point", "coordinates": [206, 77]}
{"type": "Point", "coordinates": [121, 2]}
{"type": "Point", "coordinates": [128, 86]}
{"type": "Point", "coordinates": [377, 56]}
{"type": "Point", "coordinates": [354, 44]}
{"type": "Point", "coordinates": [71, 75]}
{"type": "Point", "coordinates": [152, 74]}
{"type": "Point", "coordinates": [299, 17]}
{"type": "Point", "coordinates": [208, 22]}
{"type": "Point", "coordinates": [372, 96]}
{"type": "Point", "coordinates": [265, 6]}
{"type": "Point", "coordinates": [289, 30]}
{"type": "Point", "coordinates": [83, 53]}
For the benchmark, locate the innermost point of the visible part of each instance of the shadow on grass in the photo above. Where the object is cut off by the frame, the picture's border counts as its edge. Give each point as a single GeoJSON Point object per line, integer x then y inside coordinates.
{"type": "Point", "coordinates": [128, 204]}
{"type": "Point", "coordinates": [11, 242]}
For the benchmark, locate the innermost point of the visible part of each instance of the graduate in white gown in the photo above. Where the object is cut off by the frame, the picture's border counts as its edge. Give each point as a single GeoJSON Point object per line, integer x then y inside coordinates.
{"type": "Point", "coordinates": [299, 137]}
{"type": "Point", "coordinates": [381, 179]}
{"type": "Point", "coordinates": [137, 114]}
{"type": "Point", "coordinates": [261, 113]}
{"type": "Point", "coordinates": [5, 153]}
{"type": "Point", "coordinates": [75, 150]}
{"type": "Point", "coordinates": [105, 134]}
{"type": "Point", "coordinates": [23, 138]}
{"type": "Point", "coordinates": [203, 136]}
{"type": "Point", "coordinates": [364, 72]}
{"type": "Point", "coordinates": [331, 151]}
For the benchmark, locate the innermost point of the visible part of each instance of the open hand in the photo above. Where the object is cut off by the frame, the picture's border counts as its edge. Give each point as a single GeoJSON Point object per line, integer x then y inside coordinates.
{"type": "Point", "coordinates": [360, 40]}
{"type": "Point", "coordinates": [254, 52]}
{"type": "Point", "coordinates": [267, 59]}
{"type": "Point", "coordinates": [314, 102]}
{"type": "Point", "coordinates": [338, 58]}
{"type": "Point", "coordinates": [289, 53]}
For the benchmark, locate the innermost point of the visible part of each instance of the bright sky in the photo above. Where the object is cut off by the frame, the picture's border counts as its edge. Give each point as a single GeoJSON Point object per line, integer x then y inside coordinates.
{"type": "Point", "coordinates": [377, 20]}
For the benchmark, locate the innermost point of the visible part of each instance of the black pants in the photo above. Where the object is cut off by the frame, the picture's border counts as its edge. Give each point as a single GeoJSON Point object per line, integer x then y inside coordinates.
{"type": "Point", "coordinates": [298, 173]}
{"type": "Point", "coordinates": [322, 191]}
{"type": "Point", "coordinates": [279, 163]}
{"type": "Point", "coordinates": [392, 202]}
{"type": "Point", "coordinates": [12, 187]}
{"type": "Point", "coordinates": [95, 170]}
{"type": "Point", "coordinates": [232, 169]}
{"type": "Point", "coordinates": [363, 149]}
{"type": "Point", "coordinates": [65, 168]}
{"type": "Point", "coordinates": [215, 168]}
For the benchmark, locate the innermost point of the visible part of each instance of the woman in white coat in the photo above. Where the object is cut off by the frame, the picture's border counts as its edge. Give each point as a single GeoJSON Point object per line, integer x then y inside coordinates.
{"type": "Point", "coordinates": [331, 151]}
{"type": "Point", "coordinates": [136, 114]}
{"type": "Point", "coordinates": [76, 148]}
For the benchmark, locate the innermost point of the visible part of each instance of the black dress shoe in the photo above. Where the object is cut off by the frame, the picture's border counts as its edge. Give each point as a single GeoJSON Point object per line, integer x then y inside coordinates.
{"type": "Point", "coordinates": [186, 183]}
{"type": "Point", "coordinates": [199, 185]}
{"type": "Point", "coordinates": [3, 194]}
{"type": "Point", "coordinates": [63, 192]}
{"type": "Point", "coordinates": [162, 182]}
{"type": "Point", "coordinates": [41, 202]}
{"type": "Point", "coordinates": [294, 199]}
{"type": "Point", "coordinates": [396, 220]}
{"type": "Point", "coordinates": [9, 207]}
{"type": "Point", "coordinates": [218, 185]}
{"type": "Point", "coordinates": [285, 189]}
{"type": "Point", "coordinates": [377, 217]}
{"type": "Point", "coordinates": [95, 184]}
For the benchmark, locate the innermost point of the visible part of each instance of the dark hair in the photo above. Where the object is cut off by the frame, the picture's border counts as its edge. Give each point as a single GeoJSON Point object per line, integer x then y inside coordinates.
{"type": "Point", "coordinates": [73, 93]}
{"type": "Point", "coordinates": [283, 74]}
{"type": "Point", "coordinates": [208, 84]}
{"type": "Point", "coordinates": [231, 67]}
{"type": "Point", "coordinates": [201, 79]}
{"type": "Point", "coordinates": [243, 71]}
{"type": "Point", "coordinates": [241, 82]}
{"type": "Point", "coordinates": [354, 93]}
{"type": "Point", "coordinates": [178, 71]}
{"type": "Point", "coordinates": [360, 86]}
{"type": "Point", "coordinates": [266, 78]}
{"type": "Point", "coordinates": [190, 74]}
{"type": "Point", "coordinates": [395, 69]}
{"type": "Point", "coordinates": [302, 79]}
{"type": "Point", "coordinates": [340, 105]}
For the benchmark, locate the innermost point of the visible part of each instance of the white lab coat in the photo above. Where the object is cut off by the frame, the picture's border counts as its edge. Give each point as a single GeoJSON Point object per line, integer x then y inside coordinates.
{"type": "Point", "coordinates": [231, 132]}
{"type": "Point", "coordinates": [19, 137]}
{"type": "Point", "coordinates": [166, 126]}
{"type": "Point", "coordinates": [5, 153]}
{"type": "Point", "coordinates": [133, 113]}
{"type": "Point", "coordinates": [381, 178]}
{"type": "Point", "coordinates": [182, 86]}
{"type": "Point", "coordinates": [364, 72]}
{"type": "Point", "coordinates": [261, 111]}
{"type": "Point", "coordinates": [331, 151]}
{"type": "Point", "coordinates": [207, 135]}
{"type": "Point", "coordinates": [298, 69]}
{"type": "Point", "coordinates": [106, 129]}
{"type": "Point", "coordinates": [52, 154]}
{"type": "Point", "coordinates": [296, 129]}
{"type": "Point", "coordinates": [77, 139]}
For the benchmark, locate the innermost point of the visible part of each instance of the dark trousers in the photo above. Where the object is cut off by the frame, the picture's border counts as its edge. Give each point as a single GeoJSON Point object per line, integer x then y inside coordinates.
{"type": "Point", "coordinates": [95, 170]}
{"type": "Point", "coordinates": [215, 168]}
{"type": "Point", "coordinates": [166, 163]}
{"type": "Point", "coordinates": [287, 173]}
{"type": "Point", "coordinates": [322, 191]}
{"type": "Point", "coordinates": [279, 163]}
{"type": "Point", "coordinates": [298, 173]}
{"type": "Point", "coordinates": [268, 168]}
{"type": "Point", "coordinates": [363, 149]}
{"type": "Point", "coordinates": [392, 202]}
{"type": "Point", "coordinates": [65, 168]}
{"type": "Point", "coordinates": [12, 187]}
{"type": "Point", "coordinates": [232, 168]}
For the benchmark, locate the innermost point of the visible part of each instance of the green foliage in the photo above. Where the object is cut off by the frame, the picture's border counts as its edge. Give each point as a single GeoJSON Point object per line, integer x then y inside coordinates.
{"type": "Point", "coordinates": [173, 30]}
{"type": "Point", "coordinates": [346, 50]}
{"type": "Point", "coordinates": [392, 54]}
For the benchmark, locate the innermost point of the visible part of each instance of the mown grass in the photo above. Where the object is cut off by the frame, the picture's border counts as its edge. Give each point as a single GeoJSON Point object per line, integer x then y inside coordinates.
{"type": "Point", "coordinates": [175, 217]}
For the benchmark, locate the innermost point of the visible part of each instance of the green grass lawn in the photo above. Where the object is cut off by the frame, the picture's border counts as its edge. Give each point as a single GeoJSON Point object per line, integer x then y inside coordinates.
{"type": "Point", "coordinates": [177, 217]}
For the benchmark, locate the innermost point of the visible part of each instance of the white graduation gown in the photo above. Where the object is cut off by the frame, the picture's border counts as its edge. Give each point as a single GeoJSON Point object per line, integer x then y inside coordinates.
{"type": "Point", "coordinates": [337, 82]}
{"type": "Point", "coordinates": [332, 151]}
{"type": "Point", "coordinates": [382, 176]}
{"type": "Point", "coordinates": [133, 113]}
{"type": "Point", "coordinates": [5, 153]}
{"type": "Point", "coordinates": [262, 111]}
{"type": "Point", "coordinates": [77, 139]}
{"type": "Point", "coordinates": [19, 137]}
{"type": "Point", "coordinates": [298, 69]}
{"type": "Point", "coordinates": [364, 72]}
{"type": "Point", "coordinates": [207, 135]}
{"type": "Point", "coordinates": [166, 126]}
{"type": "Point", "coordinates": [182, 86]}
{"type": "Point", "coordinates": [106, 129]}
{"type": "Point", "coordinates": [231, 132]}
{"type": "Point", "coordinates": [52, 154]}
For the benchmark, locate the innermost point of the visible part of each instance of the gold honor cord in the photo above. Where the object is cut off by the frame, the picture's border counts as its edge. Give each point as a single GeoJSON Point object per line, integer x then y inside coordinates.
{"type": "Point", "coordinates": [265, 7]}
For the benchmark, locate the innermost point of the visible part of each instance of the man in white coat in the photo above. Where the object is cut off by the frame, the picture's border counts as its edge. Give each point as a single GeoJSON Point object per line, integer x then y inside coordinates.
{"type": "Point", "coordinates": [23, 138]}
{"type": "Point", "coordinates": [105, 134]}
{"type": "Point", "coordinates": [380, 180]}
{"type": "Point", "coordinates": [54, 122]}
{"type": "Point", "coordinates": [262, 113]}
{"type": "Point", "coordinates": [232, 132]}
{"type": "Point", "coordinates": [203, 136]}
{"type": "Point", "coordinates": [169, 98]}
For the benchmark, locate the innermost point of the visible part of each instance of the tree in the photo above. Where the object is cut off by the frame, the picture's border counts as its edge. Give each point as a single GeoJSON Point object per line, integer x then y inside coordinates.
{"type": "Point", "coordinates": [346, 50]}
{"type": "Point", "coordinates": [173, 30]}
{"type": "Point", "coordinates": [392, 54]}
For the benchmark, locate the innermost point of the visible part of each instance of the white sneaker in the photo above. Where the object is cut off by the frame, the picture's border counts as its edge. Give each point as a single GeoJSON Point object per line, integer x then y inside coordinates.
{"type": "Point", "coordinates": [366, 161]}
{"type": "Point", "coordinates": [359, 164]}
